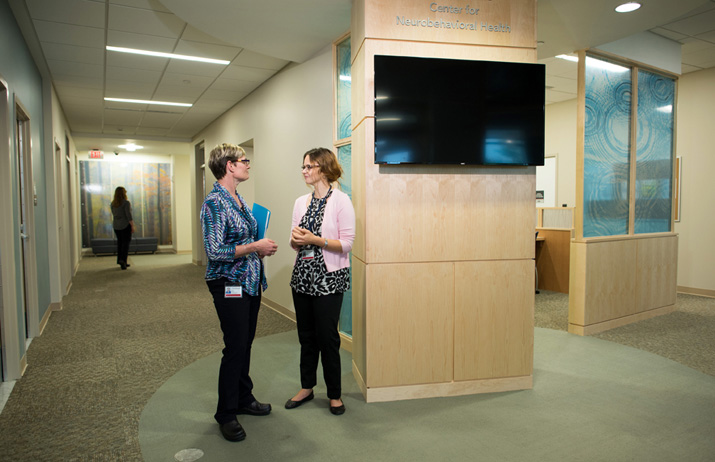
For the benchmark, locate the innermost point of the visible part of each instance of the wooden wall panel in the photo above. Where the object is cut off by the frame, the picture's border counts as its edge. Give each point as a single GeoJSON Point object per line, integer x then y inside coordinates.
{"type": "Point", "coordinates": [360, 142]}
{"type": "Point", "coordinates": [359, 315]}
{"type": "Point", "coordinates": [611, 280]}
{"type": "Point", "coordinates": [388, 20]}
{"type": "Point", "coordinates": [409, 323]}
{"type": "Point", "coordinates": [494, 319]}
{"type": "Point", "coordinates": [552, 259]}
{"type": "Point", "coordinates": [657, 267]}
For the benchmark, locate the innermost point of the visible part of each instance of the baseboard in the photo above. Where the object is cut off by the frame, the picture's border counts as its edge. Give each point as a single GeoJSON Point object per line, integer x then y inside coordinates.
{"type": "Point", "coordinates": [694, 291]}
{"type": "Point", "coordinates": [278, 308]}
{"type": "Point", "coordinates": [597, 328]}
{"type": "Point", "coordinates": [436, 390]}
{"type": "Point", "coordinates": [45, 319]}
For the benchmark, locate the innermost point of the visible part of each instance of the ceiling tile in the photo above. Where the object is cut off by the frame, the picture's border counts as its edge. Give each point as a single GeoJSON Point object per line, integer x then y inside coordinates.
{"type": "Point", "coordinates": [144, 4]}
{"type": "Point", "coordinates": [195, 35]}
{"type": "Point", "coordinates": [144, 21]}
{"type": "Point", "coordinates": [172, 92]}
{"type": "Point", "coordinates": [694, 25]}
{"type": "Point", "coordinates": [669, 34]}
{"type": "Point", "coordinates": [249, 58]}
{"type": "Point", "coordinates": [172, 78]}
{"type": "Point", "coordinates": [557, 96]}
{"type": "Point", "coordinates": [66, 92]}
{"type": "Point", "coordinates": [562, 84]}
{"type": "Point", "coordinates": [703, 58]}
{"type": "Point", "coordinates": [160, 120]}
{"type": "Point", "coordinates": [133, 75]}
{"type": "Point", "coordinates": [78, 81]}
{"type": "Point", "coordinates": [69, 34]}
{"type": "Point", "coordinates": [224, 94]}
{"type": "Point", "coordinates": [122, 116]}
{"type": "Point", "coordinates": [69, 68]}
{"type": "Point", "coordinates": [118, 38]}
{"type": "Point", "coordinates": [707, 36]}
{"type": "Point", "coordinates": [247, 73]}
{"type": "Point", "coordinates": [147, 131]}
{"type": "Point", "coordinates": [234, 85]}
{"type": "Point", "coordinates": [691, 45]}
{"type": "Point", "coordinates": [132, 90]}
{"type": "Point", "coordinates": [132, 61]}
{"type": "Point", "coordinates": [78, 12]}
{"type": "Point", "coordinates": [206, 50]}
{"type": "Point", "coordinates": [213, 105]}
{"type": "Point", "coordinates": [180, 66]}
{"type": "Point", "coordinates": [119, 130]}
{"type": "Point", "coordinates": [686, 68]}
{"type": "Point", "coordinates": [63, 52]}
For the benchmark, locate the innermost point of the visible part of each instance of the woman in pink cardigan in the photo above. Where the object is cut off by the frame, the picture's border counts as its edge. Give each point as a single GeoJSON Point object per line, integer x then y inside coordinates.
{"type": "Point", "coordinates": [323, 231]}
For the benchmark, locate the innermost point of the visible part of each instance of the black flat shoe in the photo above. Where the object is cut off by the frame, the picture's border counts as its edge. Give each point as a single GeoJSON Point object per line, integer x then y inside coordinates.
{"type": "Point", "coordinates": [256, 408]}
{"type": "Point", "coordinates": [290, 404]}
{"type": "Point", "coordinates": [233, 431]}
{"type": "Point", "coordinates": [337, 410]}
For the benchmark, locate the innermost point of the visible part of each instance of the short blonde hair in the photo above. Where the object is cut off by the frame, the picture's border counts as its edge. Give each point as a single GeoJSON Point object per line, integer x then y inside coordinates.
{"type": "Point", "coordinates": [222, 155]}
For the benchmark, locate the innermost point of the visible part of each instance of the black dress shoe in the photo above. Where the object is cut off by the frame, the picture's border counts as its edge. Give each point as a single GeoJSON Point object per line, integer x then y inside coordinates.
{"type": "Point", "coordinates": [256, 408]}
{"type": "Point", "coordinates": [233, 431]}
{"type": "Point", "coordinates": [290, 404]}
{"type": "Point", "coordinates": [337, 410]}
{"type": "Point", "coordinates": [123, 265]}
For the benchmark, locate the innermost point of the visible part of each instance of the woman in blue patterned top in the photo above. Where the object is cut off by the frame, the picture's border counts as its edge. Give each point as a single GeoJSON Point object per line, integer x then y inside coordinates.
{"type": "Point", "coordinates": [235, 277]}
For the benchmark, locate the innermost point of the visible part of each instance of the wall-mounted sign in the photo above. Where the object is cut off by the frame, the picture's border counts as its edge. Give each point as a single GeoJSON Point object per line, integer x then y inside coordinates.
{"type": "Point", "coordinates": [489, 22]}
{"type": "Point", "coordinates": [96, 154]}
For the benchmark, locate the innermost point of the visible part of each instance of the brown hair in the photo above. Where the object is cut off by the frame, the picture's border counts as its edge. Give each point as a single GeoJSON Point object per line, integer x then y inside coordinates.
{"type": "Point", "coordinates": [120, 195]}
{"type": "Point", "coordinates": [223, 154]}
{"type": "Point", "coordinates": [328, 162]}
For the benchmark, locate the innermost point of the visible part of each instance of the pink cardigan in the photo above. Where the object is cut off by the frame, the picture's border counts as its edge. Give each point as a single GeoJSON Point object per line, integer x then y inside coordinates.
{"type": "Point", "coordinates": [338, 223]}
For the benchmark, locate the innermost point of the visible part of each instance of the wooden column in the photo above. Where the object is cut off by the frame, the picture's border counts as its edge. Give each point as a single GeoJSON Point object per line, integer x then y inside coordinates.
{"type": "Point", "coordinates": [443, 273]}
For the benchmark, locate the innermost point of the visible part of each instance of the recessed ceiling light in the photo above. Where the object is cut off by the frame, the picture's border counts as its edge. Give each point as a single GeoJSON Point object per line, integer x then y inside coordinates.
{"type": "Point", "coordinates": [143, 101]}
{"type": "Point", "coordinates": [628, 7]}
{"type": "Point", "coordinates": [168, 55]}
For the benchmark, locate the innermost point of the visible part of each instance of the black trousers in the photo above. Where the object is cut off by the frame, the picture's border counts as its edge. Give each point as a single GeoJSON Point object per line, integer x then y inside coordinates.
{"type": "Point", "coordinates": [317, 321]}
{"type": "Point", "coordinates": [124, 237]}
{"type": "Point", "coordinates": [238, 317]}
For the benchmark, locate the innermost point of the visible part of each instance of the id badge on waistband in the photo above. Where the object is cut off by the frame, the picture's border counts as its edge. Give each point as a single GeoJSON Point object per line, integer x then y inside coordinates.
{"type": "Point", "coordinates": [232, 291]}
{"type": "Point", "coordinates": [307, 254]}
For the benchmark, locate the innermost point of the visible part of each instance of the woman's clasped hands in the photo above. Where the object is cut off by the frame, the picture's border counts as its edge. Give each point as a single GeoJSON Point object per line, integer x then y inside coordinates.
{"type": "Point", "coordinates": [266, 247]}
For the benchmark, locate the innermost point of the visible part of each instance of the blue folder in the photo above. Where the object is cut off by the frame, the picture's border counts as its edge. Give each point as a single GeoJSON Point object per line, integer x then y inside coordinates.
{"type": "Point", "coordinates": [262, 216]}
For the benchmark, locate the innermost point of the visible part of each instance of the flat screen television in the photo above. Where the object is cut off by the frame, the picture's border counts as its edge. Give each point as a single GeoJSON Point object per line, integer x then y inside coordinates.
{"type": "Point", "coordinates": [450, 111]}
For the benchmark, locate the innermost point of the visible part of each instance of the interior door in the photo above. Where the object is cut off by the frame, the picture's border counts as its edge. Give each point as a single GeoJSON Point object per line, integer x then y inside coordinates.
{"type": "Point", "coordinates": [21, 133]}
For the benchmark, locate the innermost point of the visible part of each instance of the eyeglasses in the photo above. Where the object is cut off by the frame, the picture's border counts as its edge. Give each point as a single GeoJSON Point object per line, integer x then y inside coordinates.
{"type": "Point", "coordinates": [245, 162]}
{"type": "Point", "coordinates": [308, 167]}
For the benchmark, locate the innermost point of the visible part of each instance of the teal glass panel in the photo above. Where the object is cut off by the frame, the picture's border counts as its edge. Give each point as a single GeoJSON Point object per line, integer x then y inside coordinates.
{"type": "Point", "coordinates": [343, 89]}
{"type": "Point", "coordinates": [654, 153]}
{"type": "Point", "coordinates": [606, 149]}
{"type": "Point", "coordinates": [346, 312]}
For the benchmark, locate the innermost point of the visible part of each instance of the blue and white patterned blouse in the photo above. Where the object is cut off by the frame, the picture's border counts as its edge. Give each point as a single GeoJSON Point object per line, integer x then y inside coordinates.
{"type": "Point", "coordinates": [226, 225]}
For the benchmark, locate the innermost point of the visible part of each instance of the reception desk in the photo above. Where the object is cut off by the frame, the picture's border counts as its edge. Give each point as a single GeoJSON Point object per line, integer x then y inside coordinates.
{"type": "Point", "coordinates": [552, 259]}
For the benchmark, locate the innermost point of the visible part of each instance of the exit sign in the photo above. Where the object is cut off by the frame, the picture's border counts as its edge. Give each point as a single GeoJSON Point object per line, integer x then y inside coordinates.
{"type": "Point", "coordinates": [94, 154]}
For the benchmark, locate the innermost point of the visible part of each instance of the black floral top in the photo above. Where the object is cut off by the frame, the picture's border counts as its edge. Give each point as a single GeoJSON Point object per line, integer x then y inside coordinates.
{"type": "Point", "coordinates": [310, 276]}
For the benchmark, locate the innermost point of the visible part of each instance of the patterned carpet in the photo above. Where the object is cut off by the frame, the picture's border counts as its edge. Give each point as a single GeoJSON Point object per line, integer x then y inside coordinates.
{"type": "Point", "coordinates": [122, 334]}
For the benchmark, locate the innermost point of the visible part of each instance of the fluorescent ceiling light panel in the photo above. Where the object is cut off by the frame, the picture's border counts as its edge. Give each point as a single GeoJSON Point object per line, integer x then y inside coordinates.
{"type": "Point", "coordinates": [169, 55]}
{"type": "Point", "coordinates": [568, 58]}
{"type": "Point", "coordinates": [628, 7]}
{"type": "Point", "coordinates": [130, 147]}
{"type": "Point", "coordinates": [142, 101]}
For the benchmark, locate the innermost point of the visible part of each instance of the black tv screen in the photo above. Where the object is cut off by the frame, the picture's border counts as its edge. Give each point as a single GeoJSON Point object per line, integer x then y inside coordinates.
{"type": "Point", "coordinates": [449, 111]}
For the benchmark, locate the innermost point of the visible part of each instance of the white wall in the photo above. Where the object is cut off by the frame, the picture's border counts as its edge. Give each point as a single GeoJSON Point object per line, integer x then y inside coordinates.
{"type": "Point", "coordinates": [285, 117]}
{"type": "Point", "coordinates": [560, 140]}
{"type": "Point", "coordinates": [695, 142]}
{"type": "Point", "coordinates": [181, 194]}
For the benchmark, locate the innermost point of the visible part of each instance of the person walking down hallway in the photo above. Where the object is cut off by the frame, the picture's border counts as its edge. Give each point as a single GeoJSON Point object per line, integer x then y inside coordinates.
{"type": "Point", "coordinates": [235, 277]}
{"type": "Point", "coordinates": [322, 233]}
{"type": "Point", "coordinates": [123, 225]}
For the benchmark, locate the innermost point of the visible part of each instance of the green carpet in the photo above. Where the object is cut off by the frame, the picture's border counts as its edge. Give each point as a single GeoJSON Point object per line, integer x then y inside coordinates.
{"type": "Point", "coordinates": [592, 401]}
